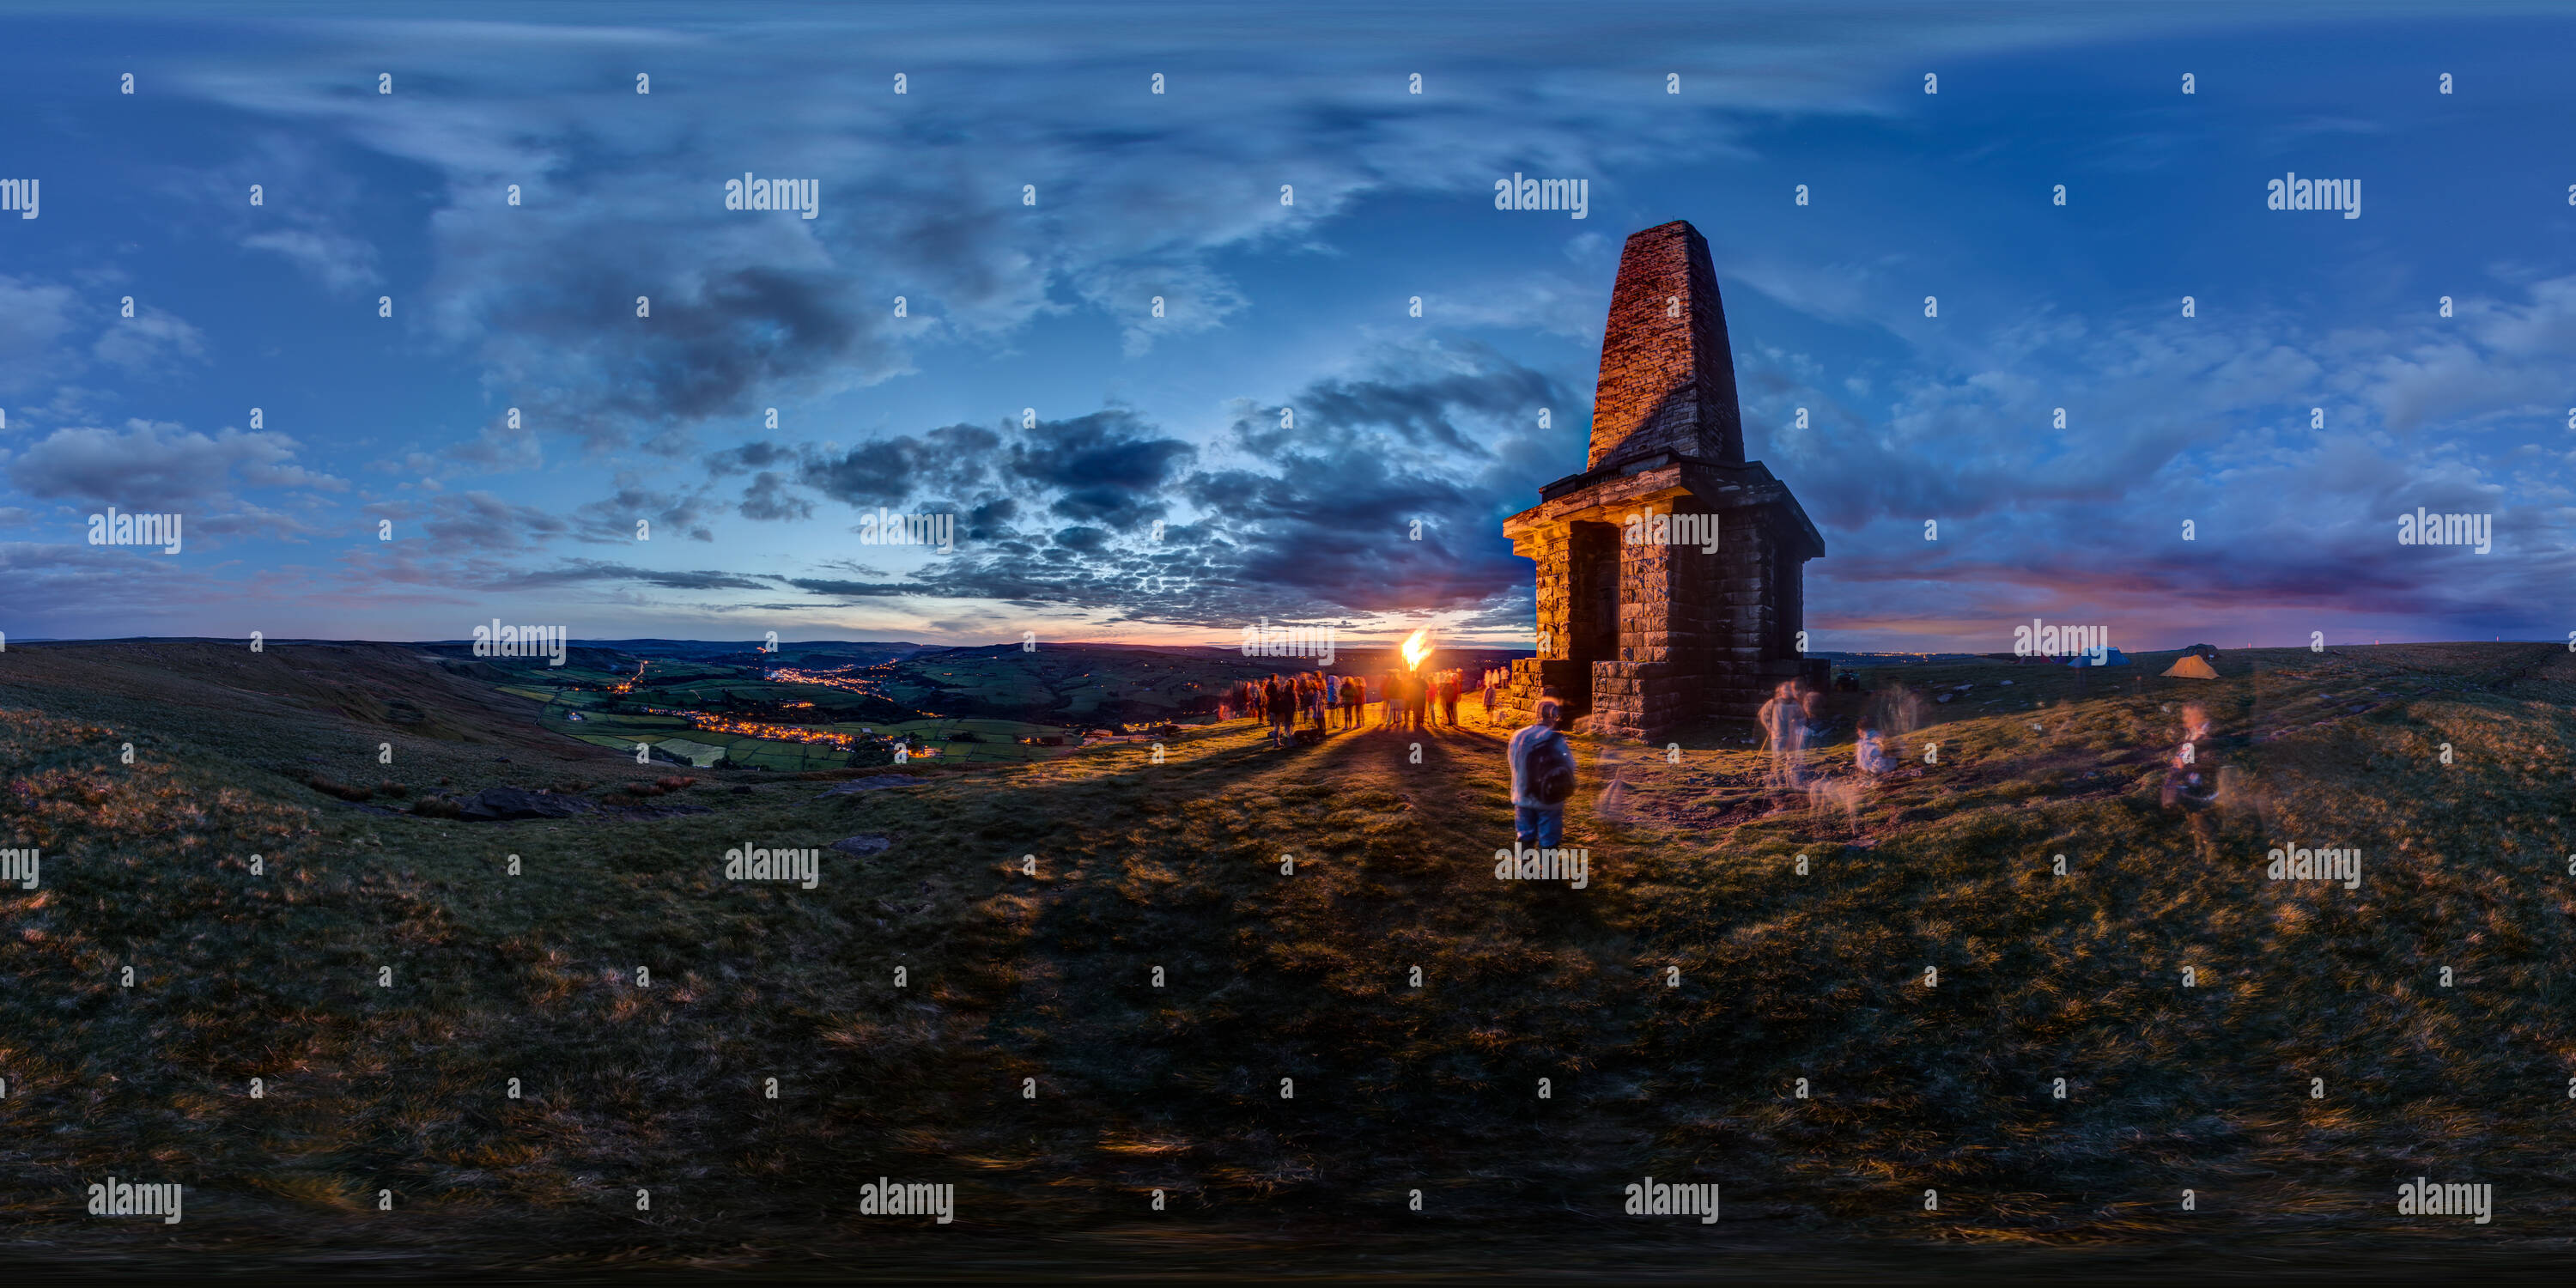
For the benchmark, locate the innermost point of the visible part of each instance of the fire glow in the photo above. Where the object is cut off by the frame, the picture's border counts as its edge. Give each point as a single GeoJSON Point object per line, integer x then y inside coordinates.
{"type": "Point", "coordinates": [1417, 646]}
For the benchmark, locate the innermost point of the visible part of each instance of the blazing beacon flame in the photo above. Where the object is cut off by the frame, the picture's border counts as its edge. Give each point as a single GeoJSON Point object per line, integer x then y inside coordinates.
{"type": "Point", "coordinates": [1417, 646]}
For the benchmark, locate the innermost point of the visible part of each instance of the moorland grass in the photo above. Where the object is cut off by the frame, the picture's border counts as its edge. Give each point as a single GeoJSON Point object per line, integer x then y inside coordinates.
{"type": "Point", "coordinates": [1030, 1058]}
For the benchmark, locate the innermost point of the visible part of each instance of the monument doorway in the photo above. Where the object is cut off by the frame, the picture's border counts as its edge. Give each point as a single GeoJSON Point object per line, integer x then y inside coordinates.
{"type": "Point", "coordinates": [1594, 619]}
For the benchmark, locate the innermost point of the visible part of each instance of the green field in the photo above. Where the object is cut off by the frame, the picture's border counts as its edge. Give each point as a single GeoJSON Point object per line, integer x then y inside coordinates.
{"type": "Point", "coordinates": [792, 757]}
{"type": "Point", "coordinates": [996, 741]}
{"type": "Point", "coordinates": [694, 684]}
{"type": "Point", "coordinates": [700, 754]}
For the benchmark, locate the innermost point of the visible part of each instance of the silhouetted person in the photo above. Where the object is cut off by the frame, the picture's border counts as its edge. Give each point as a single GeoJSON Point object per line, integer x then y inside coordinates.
{"type": "Point", "coordinates": [1281, 704]}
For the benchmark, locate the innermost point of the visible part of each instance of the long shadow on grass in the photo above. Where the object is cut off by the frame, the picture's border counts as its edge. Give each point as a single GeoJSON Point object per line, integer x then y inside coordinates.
{"type": "Point", "coordinates": [1253, 973]}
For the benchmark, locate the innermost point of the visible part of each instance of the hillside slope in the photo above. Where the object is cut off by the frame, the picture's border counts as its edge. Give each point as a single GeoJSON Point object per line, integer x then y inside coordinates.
{"type": "Point", "coordinates": [1030, 1058]}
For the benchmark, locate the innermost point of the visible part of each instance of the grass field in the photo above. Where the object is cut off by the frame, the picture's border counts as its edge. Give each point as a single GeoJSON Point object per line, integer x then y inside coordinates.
{"type": "Point", "coordinates": [623, 729]}
{"type": "Point", "coordinates": [996, 741]}
{"type": "Point", "coordinates": [1044, 984]}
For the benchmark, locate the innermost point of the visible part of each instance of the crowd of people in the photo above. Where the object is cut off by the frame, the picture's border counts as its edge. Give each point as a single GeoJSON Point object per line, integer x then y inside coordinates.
{"type": "Point", "coordinates": [1328, 702]}
{"type": "Point", "coordinates": [1311, 705]}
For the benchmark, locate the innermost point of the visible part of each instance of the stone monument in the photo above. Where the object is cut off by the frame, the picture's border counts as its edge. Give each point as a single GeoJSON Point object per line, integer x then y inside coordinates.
{"type": "Point", "coordinates": [1643, 628]}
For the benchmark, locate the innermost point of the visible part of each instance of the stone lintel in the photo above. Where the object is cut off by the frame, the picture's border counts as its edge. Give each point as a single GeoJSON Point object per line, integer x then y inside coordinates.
{"type": "Point", "coordinates": [1604, 496]}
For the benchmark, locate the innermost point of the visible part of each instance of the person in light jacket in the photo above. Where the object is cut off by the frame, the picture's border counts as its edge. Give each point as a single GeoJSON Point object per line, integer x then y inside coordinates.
{"type": "Point", "coordinates": [1542, 767]}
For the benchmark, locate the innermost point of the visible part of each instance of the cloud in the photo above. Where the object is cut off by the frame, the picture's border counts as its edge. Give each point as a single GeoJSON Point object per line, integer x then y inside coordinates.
{"type": "Point", "coordinates": [768, 499]}
{"type": "Point", "coordinates": [613, 517]}
{"type": "Point", "coordinates": [251, 520]}
{"type": "Point", "coordinates": [1106, 467]}
{"type": "Point", "coordinates": [1176, 196]}
{"type": "Point", "coordinates": [1315, 520]}
{"type": "Point", "coordinates": [749, 456]}
{"type": "Point", "coordinates": [852, 589]}
{"type": "Point", "coordinates": [153, 342]}
{"type": "Point", "coordinates": [309, 205]}
{"type": "Point", "coordinates": [341, 263]}
{"type": "Point", "coordinates": [73, 590]}
{"type": "Point", "coordinates": [588, 570]}
{"type": "Point", "coordinates": [482, 522]}
{"type": "Point", "coordinates": [951, 460]}
{"type": "Point", "coordinates": [2184, 420]}
{"type": "Point", "coordinates": [152, 464]}
{"type": "Point", "coordinates": [1049, 211]}
{"type": "Point", "coordinates": [494, 449]}
{"type": "Point", "coordinates": [35, 318]}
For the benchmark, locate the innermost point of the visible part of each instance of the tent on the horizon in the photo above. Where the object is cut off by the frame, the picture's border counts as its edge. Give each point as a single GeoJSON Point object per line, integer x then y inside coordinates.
{"type": "Point", "coordinates": [2110, 657]}
{"type": "Point", "coordinates": [2192, 666]}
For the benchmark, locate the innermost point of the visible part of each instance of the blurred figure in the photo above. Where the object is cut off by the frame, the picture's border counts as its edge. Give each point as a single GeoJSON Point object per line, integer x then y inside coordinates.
{"type": "Point", "coordinates": [1784, 726]}
{"type": "Point", "coordinates": [2184, 783]}
{"type": "Point", "coordinates": [1870, 755]}
{"type": "Point", "coordinates": [1895, 712]}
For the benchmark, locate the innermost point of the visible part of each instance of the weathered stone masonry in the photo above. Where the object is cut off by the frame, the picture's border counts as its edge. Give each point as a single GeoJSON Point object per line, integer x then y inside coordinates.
{"type": "Point", "coordinates": [1638, 639]}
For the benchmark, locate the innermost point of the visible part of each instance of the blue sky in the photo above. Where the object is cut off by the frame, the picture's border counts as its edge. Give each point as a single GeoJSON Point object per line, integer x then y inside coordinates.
{"type": "Point", "coordinates": [1046, 307]}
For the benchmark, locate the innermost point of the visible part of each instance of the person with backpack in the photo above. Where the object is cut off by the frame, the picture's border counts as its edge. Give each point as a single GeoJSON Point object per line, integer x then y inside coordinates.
{"type": "Point", "coordinates": [1542, 778]}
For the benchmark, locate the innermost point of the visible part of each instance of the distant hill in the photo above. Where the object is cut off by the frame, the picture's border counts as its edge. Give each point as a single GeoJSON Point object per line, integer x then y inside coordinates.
{"type": "Point", "coordinates": [725, 650]}
{"type": "Point", "coordinates": [232, 696]}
